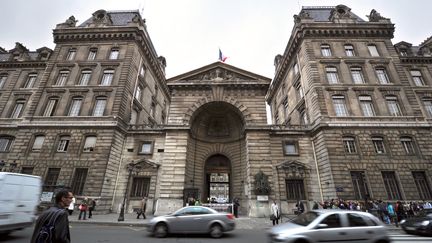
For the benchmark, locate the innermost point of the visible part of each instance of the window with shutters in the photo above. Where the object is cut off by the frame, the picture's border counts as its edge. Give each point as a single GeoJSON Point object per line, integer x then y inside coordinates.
{"type": "Point", "coordinates": [140, 187]}
{"type": "Point", "coordinates": [89, 144]}
{"type": "Point", "coordinates": [38, 142]}
{"type": "Point", "coordinates": [391, 185]}
{"type": "Point", "coordinates": [78, 181]}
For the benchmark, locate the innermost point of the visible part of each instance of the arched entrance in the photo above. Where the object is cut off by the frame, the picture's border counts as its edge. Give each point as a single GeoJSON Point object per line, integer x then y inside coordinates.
{"type": "Point", "coordinates": [217, 174]}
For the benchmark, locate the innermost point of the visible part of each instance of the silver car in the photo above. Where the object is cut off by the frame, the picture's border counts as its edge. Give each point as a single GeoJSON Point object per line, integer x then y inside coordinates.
{"type": "Point", "coordinates": [193, 219]}
{"type": "Point", "coordinates": [331, 226]}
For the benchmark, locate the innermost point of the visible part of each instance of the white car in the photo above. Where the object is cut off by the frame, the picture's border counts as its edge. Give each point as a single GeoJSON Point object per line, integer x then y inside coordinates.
{"type": "Point", "coordinates": [329, 225]}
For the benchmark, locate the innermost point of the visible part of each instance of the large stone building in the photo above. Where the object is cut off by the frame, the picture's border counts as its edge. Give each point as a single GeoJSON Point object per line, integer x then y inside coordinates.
{"type": "Point", "coordinates": [351, 117]}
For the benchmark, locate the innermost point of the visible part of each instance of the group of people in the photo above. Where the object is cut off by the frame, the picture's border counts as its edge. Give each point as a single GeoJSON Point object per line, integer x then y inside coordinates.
{"type": "Point", "coordinates": [85, 205]}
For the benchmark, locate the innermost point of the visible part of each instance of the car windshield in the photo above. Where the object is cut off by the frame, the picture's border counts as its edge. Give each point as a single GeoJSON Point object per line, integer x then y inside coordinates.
{"type": "Point", "coordinates": [305, 218]}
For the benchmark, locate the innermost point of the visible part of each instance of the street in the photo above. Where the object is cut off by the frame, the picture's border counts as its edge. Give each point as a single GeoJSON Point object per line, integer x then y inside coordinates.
{"type": "Point", "coordinates": [107, 234]}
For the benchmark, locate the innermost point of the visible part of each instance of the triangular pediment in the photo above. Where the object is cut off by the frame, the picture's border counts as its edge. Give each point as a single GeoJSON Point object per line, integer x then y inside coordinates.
{"type": "Point", "coordinates": [218, 71]}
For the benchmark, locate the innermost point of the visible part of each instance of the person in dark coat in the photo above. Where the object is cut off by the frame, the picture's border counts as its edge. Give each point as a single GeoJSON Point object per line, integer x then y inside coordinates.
{"type": "Point", "coordinates": [235, 207]}
{"type": "Point", "coordinates": [92, 206]}
{"type": "Point", "coordinates": [61, 230]}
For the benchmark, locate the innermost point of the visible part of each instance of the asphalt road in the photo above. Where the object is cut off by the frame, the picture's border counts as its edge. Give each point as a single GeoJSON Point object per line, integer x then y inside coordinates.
{"type": "Point", "coordinates": [124, 234]}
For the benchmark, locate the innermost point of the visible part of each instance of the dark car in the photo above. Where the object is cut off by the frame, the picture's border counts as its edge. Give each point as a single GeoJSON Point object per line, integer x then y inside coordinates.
{"type": "Point", "coordinates": [420, 224]}
{"type": "Point", "coordinates": [194, 219]}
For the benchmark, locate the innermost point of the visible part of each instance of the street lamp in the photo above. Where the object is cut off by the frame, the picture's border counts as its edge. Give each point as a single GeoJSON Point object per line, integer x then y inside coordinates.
{"type": "Point", "coordinates": [131, 167]}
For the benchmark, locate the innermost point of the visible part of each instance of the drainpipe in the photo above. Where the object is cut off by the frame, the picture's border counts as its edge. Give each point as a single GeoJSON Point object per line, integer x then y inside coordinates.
{"type": "Point", "coordinates": [318, 172]}
{"type": "Point", "coordinates": [118, 174]}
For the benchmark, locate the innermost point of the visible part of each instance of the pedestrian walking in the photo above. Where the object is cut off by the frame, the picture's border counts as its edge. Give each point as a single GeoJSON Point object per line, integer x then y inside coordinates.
{"type": "Point", "coordinates": [92, 207]}
{"type": "Point", "coordinates": [236, 207]}
{"type": "Point", "coordinates": [71, 206]}
{"type": "Point", "coordinates": [53, 223]}
{"type": "Point", "coordinates": [142, 209]}
{"type": "Point", "coordinates": [275, 213]}
{"type": "Point", "coordinates": [83, 209]}
{"type": "Point", "coordinates": [300, 207]}
{"type": "Point", "coordinates": [392, 214]}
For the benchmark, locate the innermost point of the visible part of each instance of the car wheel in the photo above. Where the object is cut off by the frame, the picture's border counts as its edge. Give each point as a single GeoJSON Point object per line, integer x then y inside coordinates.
{"type": "Point", "coordinates": [216, 231]}
{"type": "Point", "coordinates": [160, 230]}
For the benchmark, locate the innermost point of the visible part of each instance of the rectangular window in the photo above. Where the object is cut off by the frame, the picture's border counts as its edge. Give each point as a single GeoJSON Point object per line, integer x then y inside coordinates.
{"type": "Point", "coordinates": [360, 185]}
{"type": "Point", "coordinates": [63, 144]}
{"type": "Point", "coordinates": [296, 68]}
{"type": "Point", "coordinates": [417, 77]}
{"type": "Point", "coordinates": [62, 78]}
{"type": "Point", "coordinates": [325, 50]}
{"type": "Point", "coordinates": [38, 142]}
{"type": "Point", "coordinates": [140, 187]}
{"type": "Point", "coordinates": [85, 77]}
{"type": "Point", "coordinates": [357, 75]}
{"type": "Point", "coordinates": [391, 185]}
{"type": "Point", "coordinates": [290, 148]}
{"type": "Point", "coordinates": [5, 144]}
{"type": "Point", "coordinates": [75, 107]}
{"type": "Point", "coordinates": [428, 107]}
{"type": "Point", "coordinates": [31, 79]}
{"type": "Point", "coordinates": [27, 170]}
{"type": "Point", "coordinates": [349, 51]}
{"type": "Point", "coordinates": [78, 181]}
{"type": "Point", "coordinates": [378, 143]}
{"type": "Point", "coordinates": [142, 71]}
{"type": "Point", "coordinates": [339, 105]}
{"type": "Point", "coordinates": [408, 145]}
{"type": "Point", "coordinates": [107, 77]}
{"type": "Point", "coordinates": [332, 75]}
{"type": "Point", "coordinates": [114, 54]}
{"type": "Point", "coordinates": [2, 80]}
{"type": "Point", "coordinates": [138, 93]}
{"type": "Point", "coordinates": [422, 185]}
{"type": "Point", "coordinates": [349, 145]}
{"type": "Point", "coordinates": [382, 76]}
{"type": "Point", "coordinates": [51, 178]}
{"type": "Point", "coordinates": [99, 108]}
{"type": "Point", "coordinates": [373, 50]}
{"type": "Point", "coordinates": [92, 54]}
{"type": "Point", "coordinates": [89, 144]}
{"type": "Point", "coordinates": [295, 189]}
{"type": "Point", "coordinates": [393, 106]}
{"type": "Point", "coordinates": [17, 110]}
{"type": "Point", "coordinates": [299, 90]}
{"type": "Point", "coordinates": [71, 54]}
{"type": "Point", "coordinates": [50, 107]}
{"type": "Point", "coordinates": [367, 105]}
{"type": "Point", "coordinates": [146, 147]}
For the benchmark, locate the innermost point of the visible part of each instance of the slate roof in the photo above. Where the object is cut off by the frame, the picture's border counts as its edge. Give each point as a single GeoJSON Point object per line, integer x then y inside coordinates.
{"type": "Point", "coordinates": [118, 18]}
{"type": "Point", "coordinates": [322, 14]}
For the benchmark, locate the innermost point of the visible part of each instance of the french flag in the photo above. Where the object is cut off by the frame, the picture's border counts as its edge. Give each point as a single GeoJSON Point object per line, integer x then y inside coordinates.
{"type": "Point", "coordinates": [222, 58]}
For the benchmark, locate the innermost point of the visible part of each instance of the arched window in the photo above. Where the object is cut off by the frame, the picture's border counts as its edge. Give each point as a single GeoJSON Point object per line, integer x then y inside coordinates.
{"type": "Point", "coordinates": [378, 143]}
{"type": "Point", "coordinates": [30, 81]}
{"type": "Point", "coordinates": [62, 78]}
{"type": "Point", "coordinates": [85, 77]}
{"type": "Point", "coordinates": [114, 54]}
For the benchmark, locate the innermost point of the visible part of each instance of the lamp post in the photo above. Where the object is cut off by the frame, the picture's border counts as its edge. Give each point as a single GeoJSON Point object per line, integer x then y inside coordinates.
{"type": "Point", "coordinates": [131, 167]}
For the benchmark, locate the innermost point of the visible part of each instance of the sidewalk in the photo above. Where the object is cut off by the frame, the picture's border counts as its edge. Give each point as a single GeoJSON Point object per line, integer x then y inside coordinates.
{"type": "Point", "coordinates": [131, 220]}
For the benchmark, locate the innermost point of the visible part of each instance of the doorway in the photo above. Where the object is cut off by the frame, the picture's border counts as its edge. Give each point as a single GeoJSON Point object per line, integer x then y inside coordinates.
{"type": "Point", "coordinates": [218, 178]}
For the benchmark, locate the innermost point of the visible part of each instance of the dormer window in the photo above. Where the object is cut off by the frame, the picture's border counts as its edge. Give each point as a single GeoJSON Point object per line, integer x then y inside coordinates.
{"type": "Point", "coordinates": [403, 52]}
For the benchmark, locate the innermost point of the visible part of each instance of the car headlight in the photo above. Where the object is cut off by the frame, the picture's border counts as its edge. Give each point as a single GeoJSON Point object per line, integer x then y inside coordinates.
{"type": "Point", "coordinates": [402, 221]}
{"type": "Point", "coordinates": [425, 223]}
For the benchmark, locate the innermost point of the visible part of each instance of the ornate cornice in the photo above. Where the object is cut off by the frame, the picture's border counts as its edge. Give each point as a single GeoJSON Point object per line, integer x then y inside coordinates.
{"type": "Point", "coordinates": [27, 64]}
{"type": "Point", "coordinates": [418, 59]}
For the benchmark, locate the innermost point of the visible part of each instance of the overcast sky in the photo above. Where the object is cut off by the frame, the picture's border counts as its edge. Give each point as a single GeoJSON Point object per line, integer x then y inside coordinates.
{"type": "Point", "coordinates": [188, 33]}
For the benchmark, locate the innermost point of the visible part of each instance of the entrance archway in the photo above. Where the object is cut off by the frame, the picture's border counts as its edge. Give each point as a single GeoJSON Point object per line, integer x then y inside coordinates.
{"type": "Point", "coordinates": [217, 179]}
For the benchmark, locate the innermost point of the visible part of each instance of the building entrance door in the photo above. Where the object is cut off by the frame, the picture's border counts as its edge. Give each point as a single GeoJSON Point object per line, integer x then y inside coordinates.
{"type": "Point", "coordinates": [217, 184]}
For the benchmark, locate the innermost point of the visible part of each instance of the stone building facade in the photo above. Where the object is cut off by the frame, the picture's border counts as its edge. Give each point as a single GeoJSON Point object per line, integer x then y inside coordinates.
{"type": "Point", "coordinates": [351, 117]}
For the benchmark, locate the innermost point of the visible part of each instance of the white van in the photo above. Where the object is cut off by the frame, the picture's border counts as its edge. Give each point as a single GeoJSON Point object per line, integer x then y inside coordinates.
{"type": "Point", "coordinates": [19, 197]}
